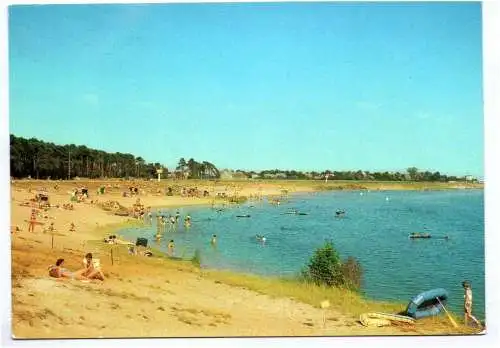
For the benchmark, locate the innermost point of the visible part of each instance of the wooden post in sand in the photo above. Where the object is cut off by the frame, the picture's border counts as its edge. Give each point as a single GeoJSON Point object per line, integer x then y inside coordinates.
{"type": "Point", "coordinates": [112, 262]}
{"type": "Point", "coordinates": [52, 234]}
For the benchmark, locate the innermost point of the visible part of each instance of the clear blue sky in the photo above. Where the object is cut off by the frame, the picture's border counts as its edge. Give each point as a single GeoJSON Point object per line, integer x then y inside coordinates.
{"type": "Point", "coordinates": [307, 86]}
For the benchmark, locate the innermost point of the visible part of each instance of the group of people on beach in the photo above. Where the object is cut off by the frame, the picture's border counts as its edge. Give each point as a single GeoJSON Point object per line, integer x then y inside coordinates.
{"type": "Point", "coordinates": [33, 222]}
{"type": "Point", "coordinates": [90, 271]}
{"type": "Point", "coordinates": [172, 220]}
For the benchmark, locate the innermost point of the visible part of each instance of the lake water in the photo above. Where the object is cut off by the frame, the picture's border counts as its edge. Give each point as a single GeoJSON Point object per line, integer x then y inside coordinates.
{"type": "Point", "coordinates": [375, 230]}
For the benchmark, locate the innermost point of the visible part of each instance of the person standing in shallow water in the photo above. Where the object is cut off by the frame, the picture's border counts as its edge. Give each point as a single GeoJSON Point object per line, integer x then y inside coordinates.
{"type": "Point", "coordinates": [468, 304]}
{"type": "Point", "coordinates": [171, 247]}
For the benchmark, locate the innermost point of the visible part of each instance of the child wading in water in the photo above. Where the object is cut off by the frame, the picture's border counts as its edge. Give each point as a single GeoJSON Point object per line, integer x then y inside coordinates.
{"type": "Point", "coordinates": [171, 247]}
{"type": "Point", "coordinates": [468, 304]}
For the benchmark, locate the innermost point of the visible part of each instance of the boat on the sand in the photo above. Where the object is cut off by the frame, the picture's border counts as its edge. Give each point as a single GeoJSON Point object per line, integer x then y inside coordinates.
{"type": "Point", "coordinates": [427, 303]}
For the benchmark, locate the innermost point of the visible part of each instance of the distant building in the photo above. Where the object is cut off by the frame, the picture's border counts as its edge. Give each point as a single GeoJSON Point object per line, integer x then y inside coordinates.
{"type": "Point", "coordinates": [226, 174]}
{"type": "Point", "coordinates": [240, 175]}
{"type": "Point", "coordinates": [469, 178]}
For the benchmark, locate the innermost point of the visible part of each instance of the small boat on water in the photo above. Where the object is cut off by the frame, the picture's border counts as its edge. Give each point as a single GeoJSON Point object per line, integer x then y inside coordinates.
{"type": "Point", "coordinates": [427, 303]}
{"type": "Point", "coordinates": [295, 212]}
{"type": "Point", "coordinates": [243, 216]}
{"type": "Point", "coordinates": [418, 235]}
{"type": "Point", "coordinates": [340, 213]}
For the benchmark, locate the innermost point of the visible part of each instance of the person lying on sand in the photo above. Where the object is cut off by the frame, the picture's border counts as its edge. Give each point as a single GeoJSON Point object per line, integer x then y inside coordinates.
{"type": "Point", "coordinates": [92, 268]}
{"type": "Point", "coordinates": [57, 271]}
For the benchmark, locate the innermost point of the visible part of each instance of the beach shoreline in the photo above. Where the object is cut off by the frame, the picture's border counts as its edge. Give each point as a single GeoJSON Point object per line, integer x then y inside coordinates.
{"type": "Point", "coordinates": [196, 302]}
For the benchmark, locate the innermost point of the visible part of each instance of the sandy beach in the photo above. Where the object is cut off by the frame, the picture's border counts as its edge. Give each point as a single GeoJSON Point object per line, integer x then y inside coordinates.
{"type": "Point", "coordinates": [148, 297]}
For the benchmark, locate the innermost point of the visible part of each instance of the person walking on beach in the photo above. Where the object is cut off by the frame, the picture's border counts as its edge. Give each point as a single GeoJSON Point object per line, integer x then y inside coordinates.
{"type": "Point", "coordinates": [51, 228]}
{"type": "Point", "coordinates": [171, 247]}
{"type": "Point", "coordinates": [32, 222]}
{"type": "Point", "coordinates": [468, 304]}
{"type": "Point", "coordinates": [177, 216]}
{"type": "Point", "coordinates": [214, 240]}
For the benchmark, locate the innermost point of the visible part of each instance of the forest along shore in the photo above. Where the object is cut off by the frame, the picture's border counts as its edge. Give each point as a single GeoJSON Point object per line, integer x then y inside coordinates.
{"type": "Point", "coordinates": [151, 297]}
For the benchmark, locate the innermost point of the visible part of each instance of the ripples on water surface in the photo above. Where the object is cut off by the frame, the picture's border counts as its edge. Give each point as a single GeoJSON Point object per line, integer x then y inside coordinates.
{"type": "Point", "coordinates": [375, 230]}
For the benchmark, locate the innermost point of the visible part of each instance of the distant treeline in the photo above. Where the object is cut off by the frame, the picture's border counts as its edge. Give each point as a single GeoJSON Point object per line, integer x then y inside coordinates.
{"type": "Point", "coordinates": [411, 174]}
{"type": "Point", "coordinates": [38, 159]}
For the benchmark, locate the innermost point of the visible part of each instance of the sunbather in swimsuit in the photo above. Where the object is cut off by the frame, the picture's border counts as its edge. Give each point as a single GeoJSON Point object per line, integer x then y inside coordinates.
{"type": "Point", "coordinates": [57, 271]}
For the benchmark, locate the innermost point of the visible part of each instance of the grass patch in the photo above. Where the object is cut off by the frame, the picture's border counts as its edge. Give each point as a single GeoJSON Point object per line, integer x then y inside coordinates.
{"type": "Point", "coordinates": [345, 301]}
{"type": "Point", "coordinates": [350, 301]}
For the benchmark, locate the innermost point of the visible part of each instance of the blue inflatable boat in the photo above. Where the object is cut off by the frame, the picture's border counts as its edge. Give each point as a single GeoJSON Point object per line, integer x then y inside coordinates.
{"type": "Point", "coordinates": [426, 304]}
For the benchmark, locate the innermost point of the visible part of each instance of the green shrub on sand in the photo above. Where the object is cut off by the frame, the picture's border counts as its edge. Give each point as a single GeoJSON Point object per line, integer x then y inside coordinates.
{"type": "Point", "coordinates": [325, 268]}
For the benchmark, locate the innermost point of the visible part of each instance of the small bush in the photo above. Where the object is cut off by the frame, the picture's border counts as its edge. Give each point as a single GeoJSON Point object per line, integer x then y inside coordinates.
{"type": "Point", "coordinates": [353, 273]}
{"type": "Point", "coordinates": [326, 268]}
